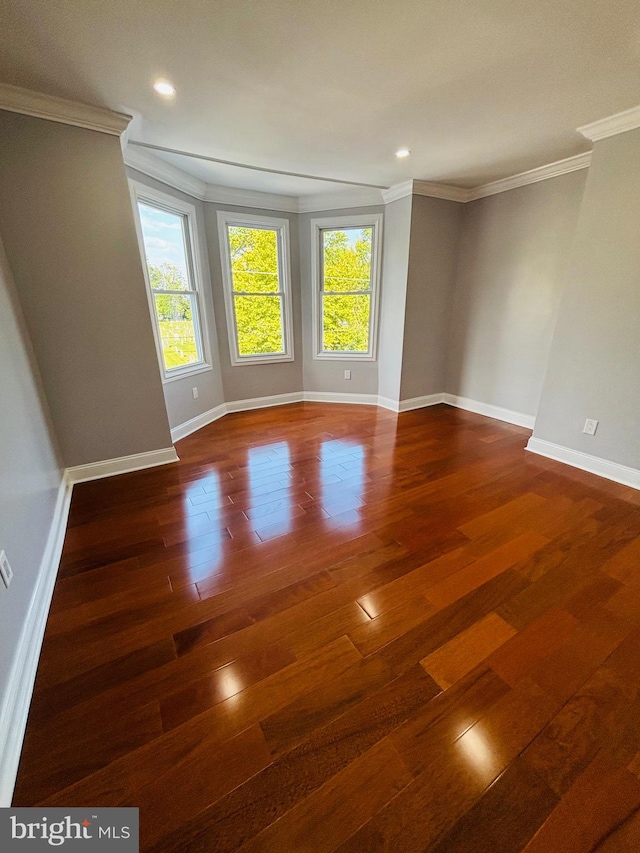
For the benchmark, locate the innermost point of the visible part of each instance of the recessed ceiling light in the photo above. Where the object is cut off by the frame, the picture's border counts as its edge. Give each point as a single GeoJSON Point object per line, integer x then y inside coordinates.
{"type": "Point", "coordinates": [163, 87]}
{"type": "Point", "coordinates": [403, 152]}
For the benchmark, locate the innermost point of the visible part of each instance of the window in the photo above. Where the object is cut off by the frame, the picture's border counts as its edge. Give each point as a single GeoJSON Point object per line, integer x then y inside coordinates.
{"type": "Point", "coordinates": [167, 238]}
{"type": "Point", "coordinates": [255, 270]}
{"type": "Point", "coordinates": [346, 270]}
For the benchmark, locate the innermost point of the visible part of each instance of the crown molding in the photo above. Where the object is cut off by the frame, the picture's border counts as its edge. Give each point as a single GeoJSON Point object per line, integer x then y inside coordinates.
{"type": "Point", "coordinates": [153, 166]}
{"type": "Point", "coordinates": [425, 188]}
{"type": "Point", "coordinates": [167, 173]}
{"type": "Point", "coordinates": [250, 198]}
{"type": "Point", "coordinates": [340, 200]}
{"type": "Point", "coordinates": [542, 173]}
{"type": "Point", "coordinates": [15, 99]}
{"type": "Point", "coordinates": [397, 191]}
{"type": "Point", "coordinates": [443, 191]}
{"type": "Point", "coordinates": [612, 125]}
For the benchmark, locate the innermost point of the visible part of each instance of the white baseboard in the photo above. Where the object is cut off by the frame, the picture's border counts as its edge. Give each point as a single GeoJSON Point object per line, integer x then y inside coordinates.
{"type": "Point", "coordinates": [264, 402]}
{"type": "Point", "coordinates": [121, 465]}
{"type": "Point", "coordinates": [203, 420]}
{"type": "Point", "coordinates": [408, 405]}
{"type": "Point", "coordinates": [388, 403]}
{"type": "Point", "coordinates": [340, 397]}
{"type": "Point", "coordinates": [489, 411]}
{"type": "Point", "coordinates": [14, 708]}
{"type": "Point", "coordinates": [593, 464]}
{"type": "Point", "coordinates": [421, 402]}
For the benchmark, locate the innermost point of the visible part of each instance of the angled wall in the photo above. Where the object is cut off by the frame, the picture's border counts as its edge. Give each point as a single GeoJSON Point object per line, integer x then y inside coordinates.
{"type": "Point", "coordinates": [395, 271]}
{"type": "Point", "coordinates": [512, 258]}
{"type": "Point", "coordinates": [30, 477]}
{"type": "Point", "coordinates": [181, 406]}
{"type": "Point", "coordinates": [594, 364]}
{"type": "Point", "coordinates": [323, 375]}
{"type": "Point", "coordinates": [244, 381]}
{"type": "Point", "coordinates": [67, 225]}
{"type": "Point", "coordinates": [433, 252]}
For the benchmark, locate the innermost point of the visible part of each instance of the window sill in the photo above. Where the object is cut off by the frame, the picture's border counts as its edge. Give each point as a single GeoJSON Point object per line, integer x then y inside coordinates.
{"type": "Point", "coordinates": [268, 359]}
{"type": "Point", "coordinates": [344, 356]}
{"type": "Point", "coordinates": [186, 372]}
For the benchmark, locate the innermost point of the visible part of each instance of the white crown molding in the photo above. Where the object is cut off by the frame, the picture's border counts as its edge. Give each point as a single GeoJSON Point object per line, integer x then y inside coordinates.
{"type": "Point", "coordinates": [490, 411]}
{"type": "Point", "coordinates": [250, 198]}
{"type": "Point", "coordinates": [585, 462]}
{"type": "Point", "coordinates": [340, 200]}
{"type": "Point", "coordinates": [121, 465]}
{"type": "Point", "coordinates": [425, 188]}
{"type": "Point", "coordinates": [14, 707]}
{"type": "Point", "coordinates": [612, 125]}
{"type": "Point", "coordinates": [443, 191]}
{"type": "Point", "coordinates": [142, 161]}
{"type": "Point", "coordinates": [397, 191]}
{"type": "Point", "coordinates": [15, 99]}
{"type": "Point", "coordinates": [542, 173]}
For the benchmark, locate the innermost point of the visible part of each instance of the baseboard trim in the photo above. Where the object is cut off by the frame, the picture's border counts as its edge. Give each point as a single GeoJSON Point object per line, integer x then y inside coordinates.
{"type": "Point", "coordinates": [585, 462]}
{"type": "Point", "coordinates": [421, 402]}
{"type": "Point", "coordinates": [14, 709]}
{"type": "Point", "coordinates": [194, 424]}
{"type": "Point", "coordinates": [263, 402]}
{"type": "Point", "coordinates": [185, 429]}
{"type": "Point", "coordinates": [489, 411]}
{"type": "Point", "coordinates": [340, 397]}
{"type": "Point", "coordinates": [121, 465]}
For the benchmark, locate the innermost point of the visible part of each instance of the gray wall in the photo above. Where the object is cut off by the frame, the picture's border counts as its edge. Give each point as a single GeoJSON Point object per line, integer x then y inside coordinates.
{"type": "Point", "coordinates": [69, 235]}
{"type": "Point", "coordinates": [433, 252]}
{"type": "Point", "coordinates": [319, 374]}
{"type": "Point", "coordinates": [30, 471]}
{"type": "Point", "coordinates": [178, 394]}
{"type": "Point", "coordinates": [513, 253]}
{"type": "Point", "coordinates": [242, 382]}
{"type": "Point", "coordinates": [594, 366]}
{"type": "Point", "coordinates": [395, 267]}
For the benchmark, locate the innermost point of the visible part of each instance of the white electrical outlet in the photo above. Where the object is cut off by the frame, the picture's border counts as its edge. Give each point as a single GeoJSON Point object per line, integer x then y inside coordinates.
{"type": "Point", "coordinates": [195, 393]}
{"type": "Point", "coordinates": [590, 427]}
{"type": "Point", "coordinates": [347, 374]}
{"type": "Point", "coordinates": [5, 569]}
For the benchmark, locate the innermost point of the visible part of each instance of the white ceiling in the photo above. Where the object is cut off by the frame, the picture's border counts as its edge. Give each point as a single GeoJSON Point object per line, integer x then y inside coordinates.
{"type": "Point", "coordinates": [477, 90]}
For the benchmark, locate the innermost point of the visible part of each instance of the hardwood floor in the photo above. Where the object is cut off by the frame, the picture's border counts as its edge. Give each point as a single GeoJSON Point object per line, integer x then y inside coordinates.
{"type": "Point", "coordinates": [337, 629]}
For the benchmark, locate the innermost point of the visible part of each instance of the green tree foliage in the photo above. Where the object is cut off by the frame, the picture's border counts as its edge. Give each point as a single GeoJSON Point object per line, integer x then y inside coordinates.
{"type": "Point", "coordinates": [170, 306]}
{"type": "Point", "coordinates": [254, 270]}
{"type": "Point", "coordinates": [347, 268]}
{"type": "Point", "coordinates": [175, 317]}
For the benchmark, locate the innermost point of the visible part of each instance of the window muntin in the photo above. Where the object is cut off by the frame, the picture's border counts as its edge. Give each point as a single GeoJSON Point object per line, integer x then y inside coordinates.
{"type": "Point", "coordinates": [346, 268]}
{"type": "Point", "coordinates": [256, 277]}
{"type": "Point", "coordinates": [168, 250]}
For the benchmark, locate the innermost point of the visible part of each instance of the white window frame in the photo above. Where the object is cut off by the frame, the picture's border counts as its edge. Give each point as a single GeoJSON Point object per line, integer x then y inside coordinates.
{"type": "Point", "coordinates": [371, 220]}
{"type": "Point", "coordinates": [281, 227]}
{"type": "Point", "coordinates": [164, 201]}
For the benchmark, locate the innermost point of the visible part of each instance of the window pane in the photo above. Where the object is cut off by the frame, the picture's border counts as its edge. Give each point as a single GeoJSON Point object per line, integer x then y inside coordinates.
{"type": "Point", "coordinates": [177, 329]}
{"type": "Point", "coordinates": [259, 324]}
{"type": "Point", "coordinates": [345, 323]}
{"type": "Point", "coordinates": [163, 234]}
{"type": "Point", "coordinates": [254, 259]}
{"type": "Point", "coordinates": [347, 259]}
